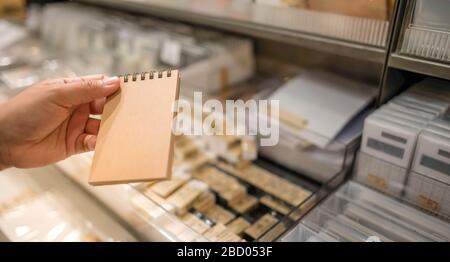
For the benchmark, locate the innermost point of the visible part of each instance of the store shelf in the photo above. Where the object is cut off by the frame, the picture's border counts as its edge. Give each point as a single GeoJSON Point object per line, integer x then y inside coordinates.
{"type": "Point", "coordinates": [153, 224]}
{"type": "Point", "coordinates": [67, 205]}
{"type": "Point", "coordinates": [349, 36]}
{"type": "Point", "coordinates": [420, 66]}
{"type": "Point", "coordinates": [356, 213]}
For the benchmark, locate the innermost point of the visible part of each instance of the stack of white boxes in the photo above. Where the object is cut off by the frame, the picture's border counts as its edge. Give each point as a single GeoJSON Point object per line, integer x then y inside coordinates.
{"type": "Point", "coordinates": [389, 152]}
{"type": "Point", "coordinates": [429, 180]}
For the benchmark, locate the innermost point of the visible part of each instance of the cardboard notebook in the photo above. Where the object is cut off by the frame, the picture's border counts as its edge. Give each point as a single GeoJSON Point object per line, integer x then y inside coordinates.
{"type": "Point", "coordinates": [135, 142]}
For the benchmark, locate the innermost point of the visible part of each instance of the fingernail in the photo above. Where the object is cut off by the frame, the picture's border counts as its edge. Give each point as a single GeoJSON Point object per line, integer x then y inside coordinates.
{"type": "Point", "coordinates": [91, 141]}
{"type": "Point", "coordinates": [110, 80]}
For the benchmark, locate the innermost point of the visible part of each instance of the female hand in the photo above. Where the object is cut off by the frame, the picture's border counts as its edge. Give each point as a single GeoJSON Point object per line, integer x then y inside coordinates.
{"type": "Point", "coordinates": [50, 121]}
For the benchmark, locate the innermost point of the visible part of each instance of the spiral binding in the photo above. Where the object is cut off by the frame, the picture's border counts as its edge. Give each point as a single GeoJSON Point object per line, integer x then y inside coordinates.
{"type": "Point", "coordinates": [151, 75]}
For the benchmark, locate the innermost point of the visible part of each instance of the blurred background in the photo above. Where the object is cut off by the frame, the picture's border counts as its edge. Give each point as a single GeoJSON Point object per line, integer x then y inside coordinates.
{"type": "Point", "coordinates": [364, 91]}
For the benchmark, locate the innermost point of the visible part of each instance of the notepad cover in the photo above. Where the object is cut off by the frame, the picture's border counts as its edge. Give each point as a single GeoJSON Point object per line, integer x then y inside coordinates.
{"type": "Point", "coordinates": [135, 141]}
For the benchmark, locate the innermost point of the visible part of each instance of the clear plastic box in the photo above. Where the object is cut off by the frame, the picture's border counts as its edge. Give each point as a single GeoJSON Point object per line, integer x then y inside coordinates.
{"type": "Point", "coordinates": [427, 32]}
{"type": "Point", "coordinates": [357, 213]}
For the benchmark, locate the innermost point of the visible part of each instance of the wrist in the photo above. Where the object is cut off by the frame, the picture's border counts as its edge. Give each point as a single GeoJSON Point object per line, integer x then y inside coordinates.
{"type": "Point", "coordinates": [4, 149]}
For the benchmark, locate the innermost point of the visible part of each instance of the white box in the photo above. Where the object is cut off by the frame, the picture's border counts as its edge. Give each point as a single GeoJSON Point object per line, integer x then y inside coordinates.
{"type": "Point", "coordinates": [415, 106]}
{"type": "Point", "coordinates": [389, 116]}
{"type": "Point", "coordinates": [414, 118]}
{"type": "Point", "coordinates": [390, 141]}
{"type": "Point", "coordinates": [438, 130]}
{"type": "Point", "coordinates": [411, 111]}
{"type": "Point", "coordinates": [441, 122]}
{"type": "Point", "coordinates": [380, 174]}
{"type": "Point", "coordinates": [231, 61]}
{"type": "Point", "coordinates": [428, 193]}
{"type": "Point", "coordinates": [426, 101]}
{"type": "Point", "coordinates": [432, 156]}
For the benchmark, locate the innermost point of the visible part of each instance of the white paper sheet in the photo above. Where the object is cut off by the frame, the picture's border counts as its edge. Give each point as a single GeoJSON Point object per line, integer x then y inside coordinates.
{"type": "Point", "coordinates": [326, 102]}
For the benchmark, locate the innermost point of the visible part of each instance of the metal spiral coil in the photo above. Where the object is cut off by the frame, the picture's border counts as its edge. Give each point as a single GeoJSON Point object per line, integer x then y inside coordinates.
{"type": "Point", "coordinates": [134, 77]}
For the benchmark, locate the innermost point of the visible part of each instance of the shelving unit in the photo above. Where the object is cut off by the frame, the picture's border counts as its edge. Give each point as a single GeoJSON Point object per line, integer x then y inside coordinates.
{"type": "Point", "coordinates": [354, 37]}
{"type": "Point", "coordinates": [415, 48]}
{"type": "Point", "coordinates": [419, 65]}
{"type": "Point", "coordinates": [421, 48]}
{"type": "Point", "coordinates": [359, 44]}
{"type": "Point", "coordinates": [48, 188]}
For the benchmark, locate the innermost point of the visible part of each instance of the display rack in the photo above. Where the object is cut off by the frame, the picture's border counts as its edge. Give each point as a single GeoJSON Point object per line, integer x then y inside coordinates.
{"type": "Point", "coordinates": [68, 213]}
{"type": "Point", "coordinates": [354, 37]}
{"type": "Point", "coordinates": [369, 41]}
{"type": "Point", "coordinates": [357, 213]}
{"type": "Point", "coordinates": [419, 65]}
{"type": "Point", "coordinates": [421, 41]}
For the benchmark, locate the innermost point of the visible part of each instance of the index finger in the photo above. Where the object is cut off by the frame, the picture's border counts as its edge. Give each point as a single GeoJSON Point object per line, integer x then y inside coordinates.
{"type": "Point", "coordinates": [67, 80]}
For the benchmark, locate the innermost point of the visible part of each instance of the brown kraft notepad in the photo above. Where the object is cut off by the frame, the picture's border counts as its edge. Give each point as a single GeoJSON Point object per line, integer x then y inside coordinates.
{"type": "Point", "coordinates": [135, 141]}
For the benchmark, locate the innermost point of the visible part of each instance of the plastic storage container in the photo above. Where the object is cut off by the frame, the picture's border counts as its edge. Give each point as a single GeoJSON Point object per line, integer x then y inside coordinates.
{"type": "Point", "coordinates": [427, 33]}
{"type": "Point", "coordinates": [357, 213]}
{"type": "Point", "coordinates": [380, 174]}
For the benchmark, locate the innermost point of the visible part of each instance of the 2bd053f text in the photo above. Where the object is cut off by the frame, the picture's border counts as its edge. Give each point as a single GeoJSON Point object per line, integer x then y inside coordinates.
{"type": "Point", "coordinates": [231, 251]}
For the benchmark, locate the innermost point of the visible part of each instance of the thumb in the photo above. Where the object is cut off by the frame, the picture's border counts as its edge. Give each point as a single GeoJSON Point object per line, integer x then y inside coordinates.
{"type": "Point", "coordinates": [85, 91]}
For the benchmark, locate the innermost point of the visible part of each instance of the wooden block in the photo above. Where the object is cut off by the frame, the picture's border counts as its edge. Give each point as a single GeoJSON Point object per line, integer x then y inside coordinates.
{"type": "Point", "coordinates": [249, 148]}
{"type": "Point", "coordinates": [238, 225]}
{"type": "Point", "coordinates": [209, 175]}
{"type": "Point", "coordinates": [219, 214]}
{"type": "Point", "coordinates": [185, 150]}
{"type": "Point", "coordinates": [159, 201]}
{"type": "Point", "coordinates": [234, 193]}
{"type": "Point", "coordinates": [220, 233]}
{"type": "Point", "coordinates": [204, 202]}
{"type": "Point", "coordinates": [183, 198]}
{"type": "Point", "coordinates": [261, 226]}
{"type": "Point", "coordinates": [221, 144]}
{"type": "Point", "coordinates": [268, 182]}
{"type": "Point", "coordinates": [273, 233]}
{"type": "Point", "coordinates": [195, 223]}
{"type": "Point", "coordinates": [233, 155]}
{"type": "Point", "coordinates": [278, 206]}
{"type": "Point", "coordinates": [165, 188]}
{"type": "Point", "coordinates": [226, 186]}
{"type": "Point", "coordinates": [198, 161]}
{"type": "Point", "coordinates": [244, 204]}
{"type": "Point", "coordinates": [294, 196]}
{"type": "Point", "coordinates": [212, 233]}
{"type": "Point", "coordinates": [292, 120]}
{"type": "Point", "coordinates": [228, 236]}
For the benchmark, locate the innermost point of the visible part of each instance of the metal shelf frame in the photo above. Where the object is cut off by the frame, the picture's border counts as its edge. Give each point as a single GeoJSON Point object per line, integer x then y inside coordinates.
{"type": "Point", "coordinates": [416, 64]}
{"type": "Point", "coordinates": [399, 67]}
{"type": "Point", "coordinates": [419, 65]}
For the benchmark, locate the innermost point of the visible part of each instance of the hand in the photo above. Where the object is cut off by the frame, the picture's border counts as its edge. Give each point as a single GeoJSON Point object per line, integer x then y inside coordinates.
{"type": "Point", "coordinates": [50, 121]}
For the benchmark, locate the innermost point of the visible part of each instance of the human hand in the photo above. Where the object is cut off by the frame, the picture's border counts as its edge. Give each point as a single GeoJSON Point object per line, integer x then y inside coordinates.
{"type": "Point", "coordinates": [50, 121]}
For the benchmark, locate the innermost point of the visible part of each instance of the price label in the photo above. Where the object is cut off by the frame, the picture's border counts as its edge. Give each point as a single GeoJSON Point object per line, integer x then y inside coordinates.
{"type": "Point", "coordinates": [428, 203]}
